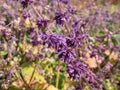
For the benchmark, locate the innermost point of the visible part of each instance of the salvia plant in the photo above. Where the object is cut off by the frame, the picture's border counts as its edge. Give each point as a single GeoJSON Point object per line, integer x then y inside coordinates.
{"type": "Point", "coordinates": [59, 45]}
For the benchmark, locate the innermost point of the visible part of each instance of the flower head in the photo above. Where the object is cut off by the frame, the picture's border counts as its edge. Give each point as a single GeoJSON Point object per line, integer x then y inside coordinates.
{"type": "Point", "coordinates": [65, 1]}
{"type": "Point", "coordinates": [42, 22]}
{"type": "Point", "coordinates": [26, 15]}
{"type": "Point", "coordinates": [26, 2]}
{"type": "Point", "coordinates": [60, 18]}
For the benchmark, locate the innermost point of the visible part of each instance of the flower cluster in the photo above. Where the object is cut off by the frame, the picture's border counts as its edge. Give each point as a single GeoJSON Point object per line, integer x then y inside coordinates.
{"type": "Point", "coordinates": [75, 67]}
{"type": "Point", "coordinates": [26, 2]}
{"type": "Point", "coordinates": [60, 18]}
{"type": "Point", "coordinates": [79, 71]}
{"type": "Point", "coordinates": [86, 40]}
{"type": "Point", "coordinates": [26, 15]}
{"type": "Point", "coordinates": [42, 22]}
{"type": "Point", "coordinates": [65, 1]}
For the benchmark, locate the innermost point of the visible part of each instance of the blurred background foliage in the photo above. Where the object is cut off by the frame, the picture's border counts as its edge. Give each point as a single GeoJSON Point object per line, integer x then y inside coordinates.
{"type": "Point", "coordinates": [42, 74]}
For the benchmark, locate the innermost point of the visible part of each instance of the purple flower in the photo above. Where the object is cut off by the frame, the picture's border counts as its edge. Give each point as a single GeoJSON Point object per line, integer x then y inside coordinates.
{"type": "Point", "coordinates": [111, 47]}
{"type": "Point", "coordinates": [39, 56]}
{"type": "Point", "coordinates": [26, 2]}
{"type": "Point", "coordinates": [91, 77]}
{"type": "Point", "coordinates": [71, 9]}
{"type": "Point", "coordinates": [78, 26]}
{"type": "Point", "coordinates": [79, 87]}
{"type": "Point", "coordinates": [94, 53]}
{"type": "Point", "coordinates": [109, 35]}
{"type": "Point", "coordinates": [99, 38]}
{"type": "Point", "coordinates": [60, 17]}
{"type": "Point", "coordinates": [78, 71]}
{"type": "Point", "coordinates": [101, 48]}
{"type": "Point", "coordinates": [31, 1]}
{"type": "Point", "coordinates": [66, 55]}
{"type": "Point", "coordinates": [10, 74]}
{"type": "Point", "coordinates": [26, 15]}
{"type": "Point", "coordinates": [71, 42]}
{"type": "Point", "coordinates": [8, 32]}
{"type": "Point", "coordinates": [108, 66]}
{"type": "Point", "coordinates": [42, 22]}
{"type": "Point", "coordinates": [35, 39]}
{"type": "Point", "coordinates": [65, 1]}
{"type": "Point", "coordinates": [54, 41]}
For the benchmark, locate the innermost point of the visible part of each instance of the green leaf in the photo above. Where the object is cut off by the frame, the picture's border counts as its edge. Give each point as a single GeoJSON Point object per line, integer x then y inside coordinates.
{"type": "Point", "coordinates": [14, 88]}
{"type": "Point", "coordinates": [117, 77]}
{"type": "Point", "coordinates": [27, 70]}
{"type": "Point", "coordinates": [16, 59]}
{"type": "Point", "coordinates": [117, 38]}
{"type": "Point", "coordinates": [61, 81]}
{"type": "Point", "coordinates": [8, 20]}
{"type": "Point", "coordinates": [110, 85]}
{"type": "Point", "coordinates": [118, 66]}
{"type": "Point", "coordinates": [57, 29]}
{"type": "Point", "coordinates": [113, 8]}
{"type": "Point", "coordinates": [109, 24]}
{"type": "Point", "coordinates": [3, 53]}
{"type": "Point", "coordinates": [114, 41]}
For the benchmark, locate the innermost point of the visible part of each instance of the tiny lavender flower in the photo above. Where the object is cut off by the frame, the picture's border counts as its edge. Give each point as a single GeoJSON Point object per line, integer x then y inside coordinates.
{"type": "Point", "coordinates": [60, 18]}
{"type": "Point", "coordinates": [42, 22]}
{"type": "Point", "coordinates": [26, 15]}
{"type": "Point", "coordinates": [25, 3]}
{"type": "Point", "coordinates": [65, 1]}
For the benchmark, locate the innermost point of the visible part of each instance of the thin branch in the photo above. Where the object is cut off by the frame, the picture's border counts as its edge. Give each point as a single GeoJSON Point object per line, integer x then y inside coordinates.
{"type": "Point", "coordinates": [32, 74]}
{"type": "Point", "coordinates": [36, 11]}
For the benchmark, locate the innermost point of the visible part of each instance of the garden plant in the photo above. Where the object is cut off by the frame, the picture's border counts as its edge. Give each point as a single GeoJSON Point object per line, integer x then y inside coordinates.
{"type": "Point", "coordinates": [59, 45]}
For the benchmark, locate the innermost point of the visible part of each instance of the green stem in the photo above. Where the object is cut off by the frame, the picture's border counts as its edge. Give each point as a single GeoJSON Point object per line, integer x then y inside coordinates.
{"type": "Point", "coordinates": [58, 75]}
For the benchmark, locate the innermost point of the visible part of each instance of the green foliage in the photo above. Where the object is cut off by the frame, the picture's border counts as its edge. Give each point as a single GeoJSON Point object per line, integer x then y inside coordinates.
{"type": "Point", "coordinates": [110, 85]}
{"type": "Point", "coordinates": [117, 77]}
{"type": "Point", "coordinates": [3, 53]}
{"type": "Point", "coordinates": [116, 39]}
{"type": "Point", "coordinates": [8, 20]}
{"type": "Point", "coordinates": [14, 88]}
{"type": "Point", "coordinates": [57, 29]}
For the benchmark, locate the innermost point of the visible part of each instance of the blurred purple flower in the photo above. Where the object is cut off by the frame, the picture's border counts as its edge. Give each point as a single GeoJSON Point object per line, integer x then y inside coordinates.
{"type": "Point", "coordinates": [94, 53]}
{"type": "Point", "coordinates": [72, 9]}
{"type": "Point", "coordinates": [42, 22]}
{"type": "Point", "coordinates": [10, 74]}
{"type": "Point", "coordinates": [79, 87]}
{"type": "Point", "coordinates": [35, 39]}
{"type": "Point", "coordinates": [101, 48]}
{"type": "Point", "coordinates": [8, 32]}
{"type": "Point", "coordinates": [111, 46]}
{"type": "Point", "coordinates": [26, 15]}
{"type": "Point", "coordinates": [109, 35]}
{"type": "Point", "coordinates": [108, 66]}
{"type": "Point", "coordinates": [71, 42]}
{"type": "Point", "coordinates": [78, 71]}
{"type": "Point", "coordinates": [39, 56]}
{"type": "Point", "coordinates": [65, 1]}
{"type": "Point", "coordinates": [66, 55]}
{"type": "Point", "coordinates": [26, 2]}
{"type": "Point", "coordinates": [53, 40]}
{"type": "Point", "coordinates": [60, 18]}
